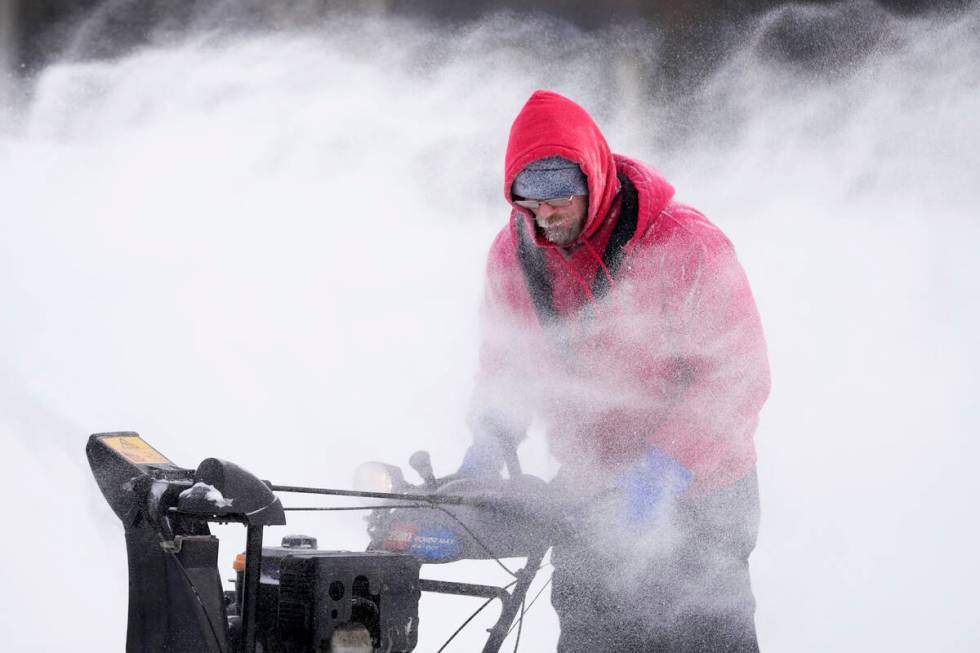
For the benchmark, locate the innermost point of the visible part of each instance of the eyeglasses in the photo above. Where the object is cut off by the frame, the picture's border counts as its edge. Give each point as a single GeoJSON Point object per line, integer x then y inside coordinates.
{"type": "Point", "coordinates": [554, 202]}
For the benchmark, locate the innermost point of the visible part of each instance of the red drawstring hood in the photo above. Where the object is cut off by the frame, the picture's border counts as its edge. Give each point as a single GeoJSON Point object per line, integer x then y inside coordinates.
{"type": "Point", "coordinates": [552, 125]}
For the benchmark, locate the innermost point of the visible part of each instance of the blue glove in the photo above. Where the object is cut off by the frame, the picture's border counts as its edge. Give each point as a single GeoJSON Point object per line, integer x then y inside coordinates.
{"type": "Point", "coordinates": [487, 456]}
{"type": "Point", "coordinates": [651, 486]}
{"type": "Point", "coordinates": [484, 459]}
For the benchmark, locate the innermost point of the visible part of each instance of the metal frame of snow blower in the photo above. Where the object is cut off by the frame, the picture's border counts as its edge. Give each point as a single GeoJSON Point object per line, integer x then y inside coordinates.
{"type": "Point", "coordinates": [173, 556]}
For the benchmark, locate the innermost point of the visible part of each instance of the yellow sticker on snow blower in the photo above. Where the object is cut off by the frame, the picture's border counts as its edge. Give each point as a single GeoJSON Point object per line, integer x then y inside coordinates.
{"type": "Point", "coordinates": [134, 449]}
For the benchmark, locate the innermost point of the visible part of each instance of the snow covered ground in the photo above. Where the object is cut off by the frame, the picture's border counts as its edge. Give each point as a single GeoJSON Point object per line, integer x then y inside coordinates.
{"type": "Point", "coordinates": [269, 248]}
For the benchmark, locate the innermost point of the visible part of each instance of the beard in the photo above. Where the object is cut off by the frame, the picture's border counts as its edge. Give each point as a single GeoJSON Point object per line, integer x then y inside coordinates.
{"type": "Point", "coordinates": [561, 231]}
{"type": "Point", "coordinates": [559, 236]}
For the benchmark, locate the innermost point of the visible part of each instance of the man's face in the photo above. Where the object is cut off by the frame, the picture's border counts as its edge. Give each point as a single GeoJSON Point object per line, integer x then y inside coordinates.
{"type": "Point", "coordinates": [562, 226]}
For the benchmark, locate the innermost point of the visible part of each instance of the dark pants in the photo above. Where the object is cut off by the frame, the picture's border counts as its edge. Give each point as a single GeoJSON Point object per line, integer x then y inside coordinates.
{"type": "Point", "coordinates": [691, 596]}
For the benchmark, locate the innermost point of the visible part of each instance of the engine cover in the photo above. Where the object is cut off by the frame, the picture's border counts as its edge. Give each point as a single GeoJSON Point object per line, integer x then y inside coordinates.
{"type": "Point", "coordinates": [320, 592]}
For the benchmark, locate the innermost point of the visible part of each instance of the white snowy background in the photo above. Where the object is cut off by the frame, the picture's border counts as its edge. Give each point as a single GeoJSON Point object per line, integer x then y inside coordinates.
{"type": "Point", "coordinates": [269, 247]}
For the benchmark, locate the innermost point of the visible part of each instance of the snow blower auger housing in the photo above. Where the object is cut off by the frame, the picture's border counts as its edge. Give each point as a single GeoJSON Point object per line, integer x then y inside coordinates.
{"type": "Point", "coordinates": [306, 598]}
{"type": "Point", "coordinates": [295, 598]}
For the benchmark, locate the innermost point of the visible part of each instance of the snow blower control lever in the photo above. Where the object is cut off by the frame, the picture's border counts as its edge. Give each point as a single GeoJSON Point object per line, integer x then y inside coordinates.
{"type": "Point", "coordinates": [296, 598]}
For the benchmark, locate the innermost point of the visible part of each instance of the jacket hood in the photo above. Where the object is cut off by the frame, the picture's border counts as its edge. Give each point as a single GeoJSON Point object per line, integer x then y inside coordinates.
{"type": "Point", "coordinates": [552, 125]}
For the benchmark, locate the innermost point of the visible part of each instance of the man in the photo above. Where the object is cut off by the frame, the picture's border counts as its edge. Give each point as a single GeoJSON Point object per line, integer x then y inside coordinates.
{"type": "Point", "coordinates": [622, 320]}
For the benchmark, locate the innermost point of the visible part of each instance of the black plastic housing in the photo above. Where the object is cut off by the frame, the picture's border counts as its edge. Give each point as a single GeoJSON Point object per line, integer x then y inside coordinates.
{"type": "Point", "coordinates": [175, 597]}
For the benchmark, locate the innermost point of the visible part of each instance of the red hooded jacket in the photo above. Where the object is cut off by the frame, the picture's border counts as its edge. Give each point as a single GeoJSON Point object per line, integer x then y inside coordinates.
{"type": "Point", "coordinates": [672, 356]}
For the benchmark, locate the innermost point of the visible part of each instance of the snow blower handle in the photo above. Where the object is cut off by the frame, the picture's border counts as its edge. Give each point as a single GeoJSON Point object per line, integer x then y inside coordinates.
{"type": "Point", "coordinates": [509, 447]}
{"type": "Point", "coordinates": [507, 439]}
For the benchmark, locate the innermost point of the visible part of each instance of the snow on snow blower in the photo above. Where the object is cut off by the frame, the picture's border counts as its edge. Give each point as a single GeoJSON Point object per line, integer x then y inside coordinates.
{"type": "Point", "coordinates": [296, 598]}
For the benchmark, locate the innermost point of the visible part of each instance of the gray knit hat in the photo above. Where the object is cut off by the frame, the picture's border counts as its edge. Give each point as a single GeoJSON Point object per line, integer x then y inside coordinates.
{"type": "Point", "coordinates": [554, 176]}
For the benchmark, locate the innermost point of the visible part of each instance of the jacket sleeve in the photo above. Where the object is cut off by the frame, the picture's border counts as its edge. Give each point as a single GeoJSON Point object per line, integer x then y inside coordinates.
{"type": "Point", "coordinates": [719, 374]}
{"type": "Point", "coordinates": [501, 398]}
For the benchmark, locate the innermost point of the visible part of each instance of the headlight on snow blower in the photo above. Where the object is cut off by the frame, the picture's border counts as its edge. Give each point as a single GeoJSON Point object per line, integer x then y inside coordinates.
{"type": "Point", "coordinates": [378, 477]}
